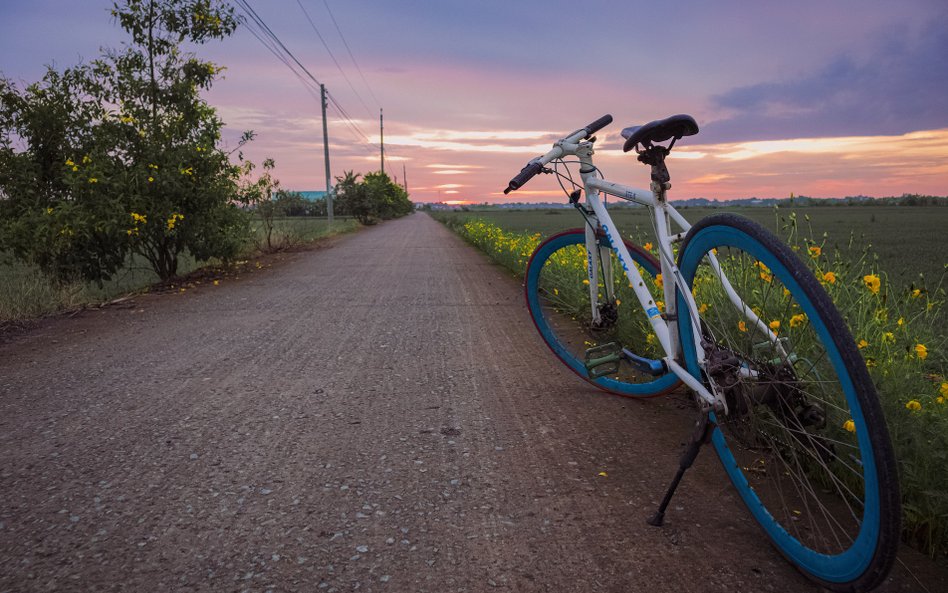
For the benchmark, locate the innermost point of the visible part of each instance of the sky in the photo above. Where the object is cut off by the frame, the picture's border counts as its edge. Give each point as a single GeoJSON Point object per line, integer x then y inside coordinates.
{"type": "Point", "coordinates": [827, 98]}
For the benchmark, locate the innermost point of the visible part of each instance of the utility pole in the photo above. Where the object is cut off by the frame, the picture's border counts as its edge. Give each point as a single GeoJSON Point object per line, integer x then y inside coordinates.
{"type": "Point", "coordinates": [404, 178]}
{"type": "Point", "coordinates": [322, 91]}
{"type": "Point", "coordinates": [382, 138]}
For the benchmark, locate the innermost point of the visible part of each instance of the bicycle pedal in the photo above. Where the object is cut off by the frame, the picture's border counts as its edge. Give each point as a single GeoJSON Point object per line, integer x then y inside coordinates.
{"type": "Point", "coordinates": [603, 360]}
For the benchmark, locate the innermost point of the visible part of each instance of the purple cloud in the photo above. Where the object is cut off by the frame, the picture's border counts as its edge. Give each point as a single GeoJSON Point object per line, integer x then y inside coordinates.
{"type": "Point", "coordinates": [901, 86]}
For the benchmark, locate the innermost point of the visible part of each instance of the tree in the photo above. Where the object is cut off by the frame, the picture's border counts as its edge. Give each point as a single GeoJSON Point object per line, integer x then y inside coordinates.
{"type": "Point", "coordinates": [259, 195]}
{"type": "Point", "coordinates": [352, 199]}
{"type": "Point", "coordinates": [390, 199]}
{"type": "Point", "coordinates": [291, 203]}
{"type": "Point", "coordinates": [375, 198]}
{"type": "Point", "coordinates": [46, 217]}
{"type": "Point", "coordinates": [161, 141]}
{"type": "Point", "coordinates": [130, 161]}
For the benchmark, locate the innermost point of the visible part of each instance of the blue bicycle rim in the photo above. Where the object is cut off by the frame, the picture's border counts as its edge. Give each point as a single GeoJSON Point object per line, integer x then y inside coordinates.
{"type": "Point", "coordinates": [652, 388]}
{"type": "Point", "coordinates": [850, 564]}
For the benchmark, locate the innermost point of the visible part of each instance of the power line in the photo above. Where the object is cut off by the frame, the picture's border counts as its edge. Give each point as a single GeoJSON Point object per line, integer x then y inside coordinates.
{"type": "Point", "coordinates": [347, 119]}
{"type": "Point", "coordinates": [334, 61]}
{"type": "Point", "coordinates": [272, 42]}
{"type": "Point", "coordinates": [341, 36]}
{"type": "Point", "coordinates": [270, 34]}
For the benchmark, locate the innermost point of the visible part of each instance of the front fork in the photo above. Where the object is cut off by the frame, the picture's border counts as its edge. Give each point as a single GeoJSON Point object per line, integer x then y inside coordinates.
{"type": "Point", "coordinates": [599, 270]}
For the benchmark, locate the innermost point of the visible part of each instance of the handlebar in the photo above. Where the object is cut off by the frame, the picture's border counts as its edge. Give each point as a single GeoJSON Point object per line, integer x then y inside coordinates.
{"type": "Point", "coordinates": [536, 165]}
{"type": "Point", "coordinates": [597, 125]}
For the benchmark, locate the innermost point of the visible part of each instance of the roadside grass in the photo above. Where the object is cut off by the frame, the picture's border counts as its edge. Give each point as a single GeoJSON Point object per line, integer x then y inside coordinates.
{"type": "Point", "coordinates": [898, 327]}
{"type": "Point", "coordinates": [25, 293]}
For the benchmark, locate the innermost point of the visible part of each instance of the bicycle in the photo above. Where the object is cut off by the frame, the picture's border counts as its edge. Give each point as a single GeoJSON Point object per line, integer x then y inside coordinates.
{"type": "Point", "coordinates": [783, 394]}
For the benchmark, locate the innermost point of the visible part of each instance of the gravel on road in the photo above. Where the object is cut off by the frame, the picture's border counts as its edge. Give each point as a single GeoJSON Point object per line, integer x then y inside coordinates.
{"type": "Point", "coordinates": [379, 415]}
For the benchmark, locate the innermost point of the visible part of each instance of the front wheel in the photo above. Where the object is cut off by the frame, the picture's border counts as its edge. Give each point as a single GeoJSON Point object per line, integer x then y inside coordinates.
{"type": "Point", "coordinates": [558, 297]}
{"type": "Point", "coordinates": [804, 440]}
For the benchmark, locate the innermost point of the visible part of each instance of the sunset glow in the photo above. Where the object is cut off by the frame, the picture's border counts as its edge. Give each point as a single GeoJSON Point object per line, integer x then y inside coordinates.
{"type": "Point", "coordinates": [860, 109]}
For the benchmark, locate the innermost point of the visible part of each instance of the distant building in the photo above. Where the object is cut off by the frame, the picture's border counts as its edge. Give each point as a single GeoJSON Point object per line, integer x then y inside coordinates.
{"type": "Point", "coordinates": [312, 196]}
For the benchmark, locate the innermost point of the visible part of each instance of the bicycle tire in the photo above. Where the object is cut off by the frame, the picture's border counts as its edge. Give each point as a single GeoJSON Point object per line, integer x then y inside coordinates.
{"type": "Point", "coordinates": [826, 490]}
{"type": "Point", "coordinates": [567, 333]}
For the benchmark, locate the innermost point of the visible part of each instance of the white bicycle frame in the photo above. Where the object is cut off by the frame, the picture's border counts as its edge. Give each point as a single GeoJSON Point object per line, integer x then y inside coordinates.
{"type": "Point", "coordinates": [665, 327]}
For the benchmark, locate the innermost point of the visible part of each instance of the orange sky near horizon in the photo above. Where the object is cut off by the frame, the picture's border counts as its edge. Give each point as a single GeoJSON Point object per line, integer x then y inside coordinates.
{"type": "Point", "coordinates": [472, 91]}
{"type": "Point", "coordinates": [876, 166]}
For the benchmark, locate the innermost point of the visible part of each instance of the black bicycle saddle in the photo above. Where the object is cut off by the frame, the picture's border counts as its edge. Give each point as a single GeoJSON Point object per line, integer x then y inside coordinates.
{"type": "Point", "coordinates": [659, 130]}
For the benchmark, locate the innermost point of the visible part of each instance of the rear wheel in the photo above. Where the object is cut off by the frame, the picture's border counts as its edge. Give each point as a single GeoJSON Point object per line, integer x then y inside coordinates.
{"type": "Point", "coordinates": [557, 293]}
{"type": "Point", "coordinates": [804, 440]}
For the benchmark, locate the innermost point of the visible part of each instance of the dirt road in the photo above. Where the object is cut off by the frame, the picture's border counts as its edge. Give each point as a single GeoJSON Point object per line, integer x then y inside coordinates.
{"type": "Point", "coordinates": [378, 415]}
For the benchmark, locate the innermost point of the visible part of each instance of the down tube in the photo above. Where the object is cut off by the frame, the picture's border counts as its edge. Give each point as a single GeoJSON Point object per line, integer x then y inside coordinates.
{"type": "Point", "coordinates": [635, 279]}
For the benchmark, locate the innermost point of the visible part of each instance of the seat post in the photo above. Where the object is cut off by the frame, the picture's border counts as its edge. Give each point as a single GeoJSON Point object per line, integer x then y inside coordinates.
{"type": "Point", "coordinates": [654, 156]}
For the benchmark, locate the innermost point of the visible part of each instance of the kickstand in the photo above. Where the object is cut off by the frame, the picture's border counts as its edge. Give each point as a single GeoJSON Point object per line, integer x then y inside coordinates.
{"type": "Point", "coordinates": [698, 438]}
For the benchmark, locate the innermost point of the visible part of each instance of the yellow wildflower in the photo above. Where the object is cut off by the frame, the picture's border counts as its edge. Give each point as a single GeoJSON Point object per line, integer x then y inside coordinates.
{"type": "Point", "coordinates": [151, 179]}
{"type": "Point", "coordinates": [647, 246]}
{"type": "Point", "coordinates": [861, 344]}
{"type": "Point", "coordinates": [217, 283]}
{"type": "Point", "coordinates": [888, 338]}
{"type": "Point", "coordinates": [660, 305]}
{"type": "Point", "coordinates": [850, 426]}
{"type": "Point", "coordinates": [69, 163]}
{"type": "Point", "coordinates": [921, 351]}
{"type": "Point", "coordinates": [173, 219]}
{"type": "Point", "coordinates": [49, 211]}
{"type": "Point", "coordinates": [829, 278]}
{"type": "Point", "coordinates": [703, 308]}
{"type": "Point", "coordinates": [75, 168]}
{"type": "Point", "coordinates": [914, 405]}
{"type": "Point", "coordinates": [944, 389]}
{"type": "Point", "coordinates": [93, 180]}
{"type": "Point", "coordinates": [586, 281]}
{"type": "Point", "coordinates": [872, 282]}
{"type": "Point", "coordinates": [916, 293]}
{"type": "Point", "coordinates": [766, 277]}
{"type": "Point", "coordinates": [797, 320]}
{"type": "Point", "coordinates": [774, 325]}
{"type": "Point", "coordinates": [650, 339]}
{"type": "Point", "coordinates": [815, 251]}
{"type": "Point", "coordinates": [742, 326]}
{"type": "Point", "coordinates": [900, 322]}
{"type": "Point", "coordinates": [658, 280]}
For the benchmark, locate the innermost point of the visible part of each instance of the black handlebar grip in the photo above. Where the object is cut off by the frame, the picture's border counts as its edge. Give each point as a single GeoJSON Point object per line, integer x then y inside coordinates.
{"type": "Point", "coordinates": [597, 125]}
{"type": "Point", "coordinates": [525, 175]}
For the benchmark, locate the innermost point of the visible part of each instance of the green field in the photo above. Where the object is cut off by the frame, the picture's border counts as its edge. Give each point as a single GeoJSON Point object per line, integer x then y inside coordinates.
{"type": "Point", "coordinates": [25, 293]}
{"type": "Point", "coordinates": [907, 241]}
